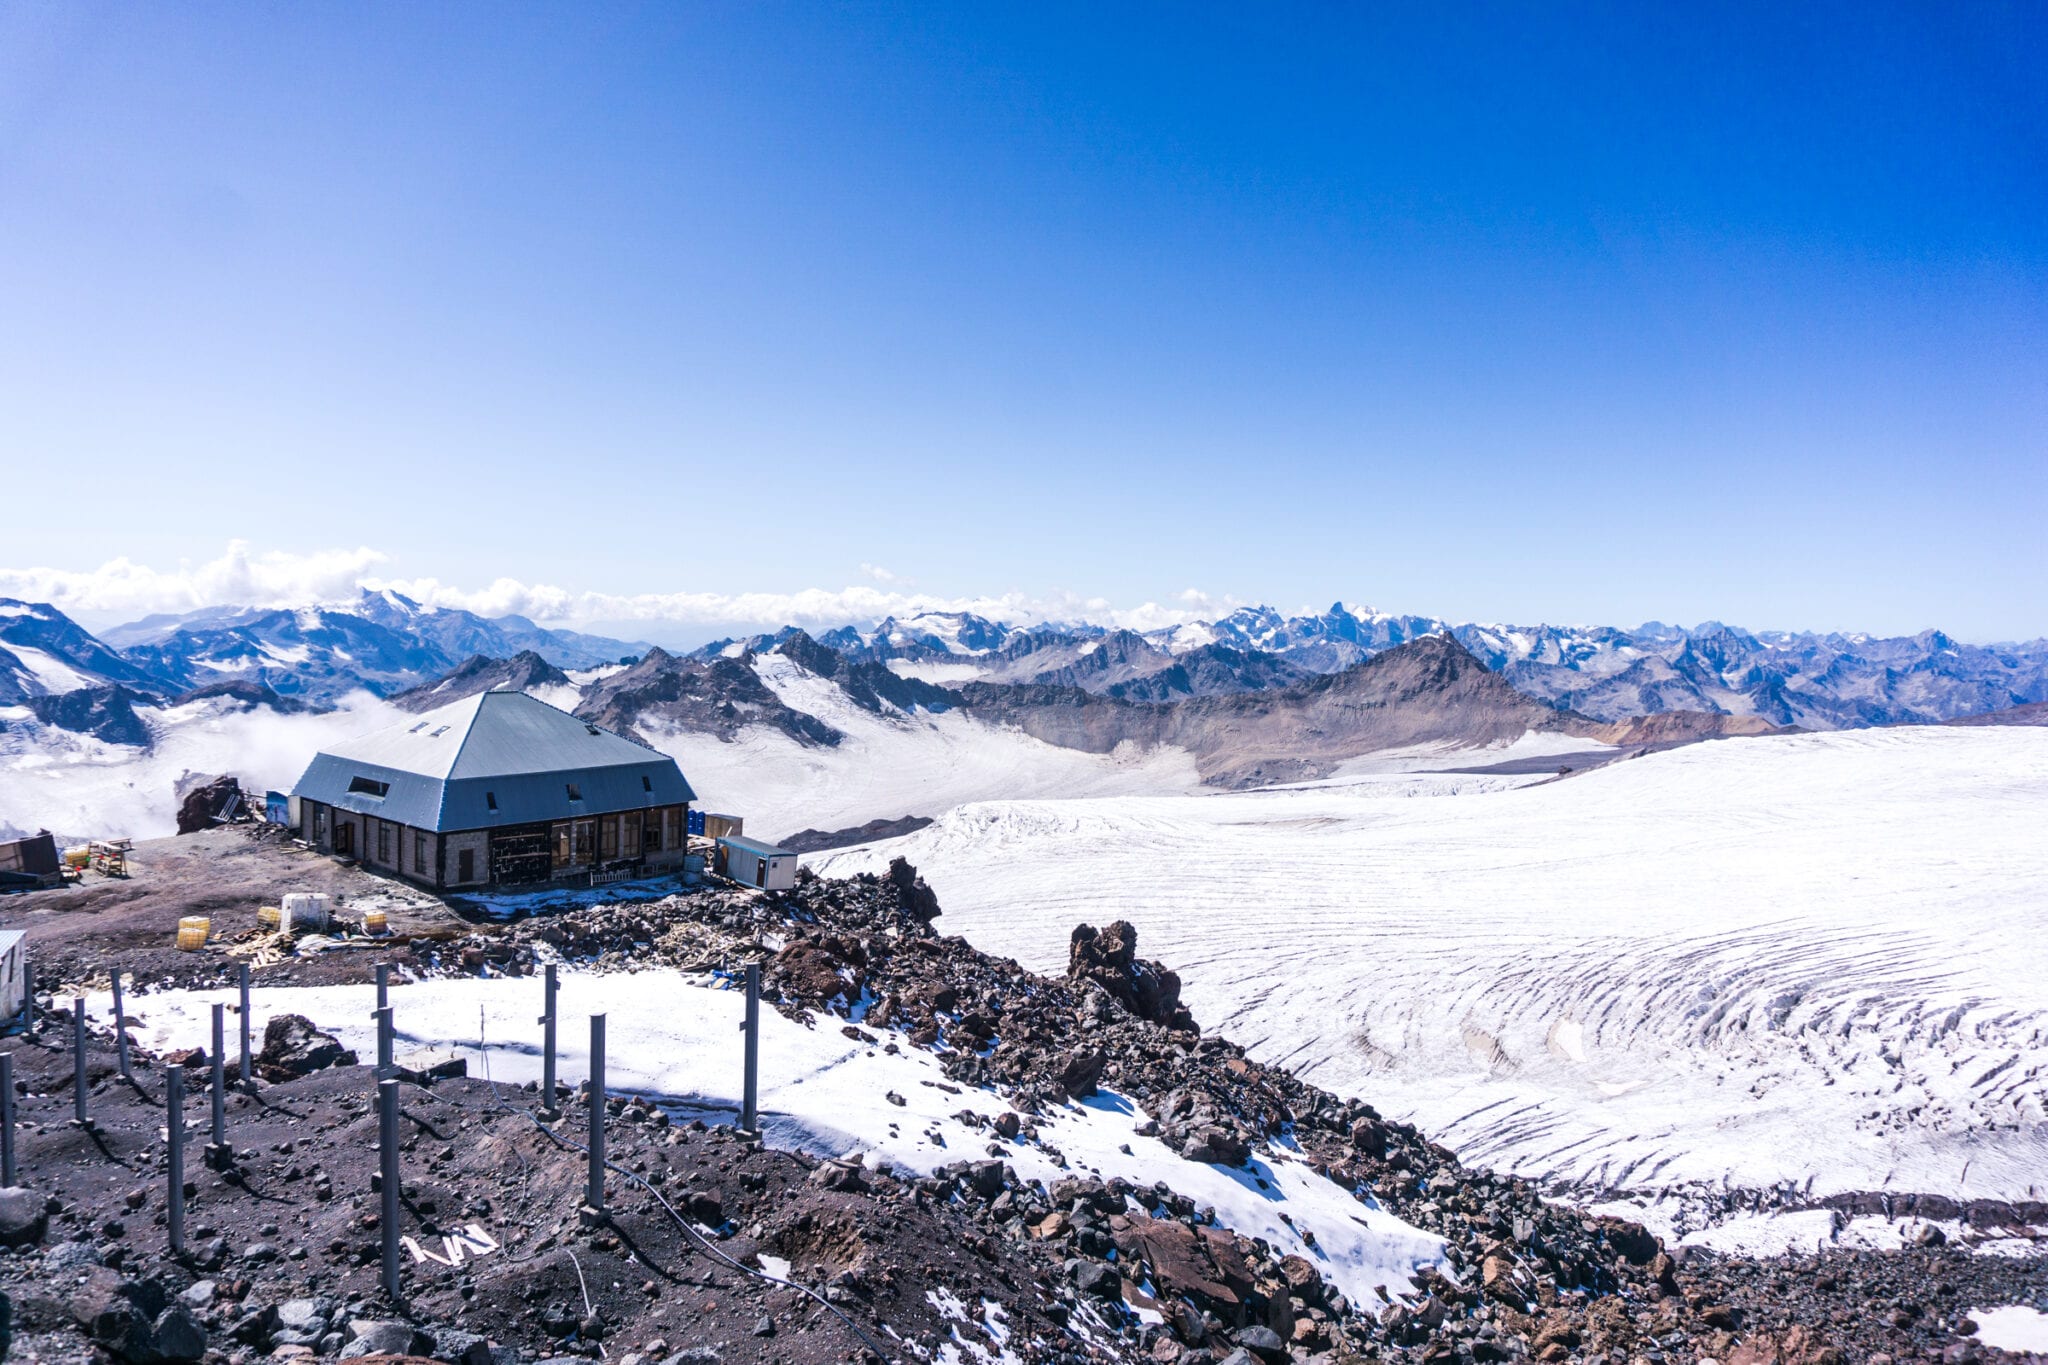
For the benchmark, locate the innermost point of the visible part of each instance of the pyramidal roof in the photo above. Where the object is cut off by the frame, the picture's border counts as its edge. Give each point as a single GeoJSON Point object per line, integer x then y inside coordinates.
{"type": "Point", "coordinates": [492, 734]}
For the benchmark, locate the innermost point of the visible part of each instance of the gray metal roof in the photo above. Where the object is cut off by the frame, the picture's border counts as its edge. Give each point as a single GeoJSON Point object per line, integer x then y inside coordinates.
{"type": "Point", "coordinates": [491, 760]}
{"type": "Point", "coordinates": [755, 846]}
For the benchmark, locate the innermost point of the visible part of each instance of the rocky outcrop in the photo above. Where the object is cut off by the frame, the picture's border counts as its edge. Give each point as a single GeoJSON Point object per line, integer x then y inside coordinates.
{"type": "Point", "coordinates": [205, 801]}
{"type": "Point", "coordinates": [523, 672]}
{"type": "Point", "coordinates": [105, 713]}
{"type": "Point", "coordinates": [919, 901]}
{"type": "Point", "coordinates": [718, 697]}
{"type": "Point", "coordinates": [1109, 958]}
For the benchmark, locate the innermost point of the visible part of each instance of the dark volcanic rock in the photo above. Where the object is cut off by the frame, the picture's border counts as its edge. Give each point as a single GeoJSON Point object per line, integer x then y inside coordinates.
{"type": "Point", "coordinates": [203, 807]}
{"type": "Point", "coordinates": [292, 1046]}
{"type": "Point", "coordinates": [106, 713]}
{"type": "Point", "coordinates": [23, 1217]}
{"type": "Point", "coordinates": [1109, 958]}
{"type": "Point", "coordinates": [522, 672]}
{"type": "Point", "coordinates": [919, 899]}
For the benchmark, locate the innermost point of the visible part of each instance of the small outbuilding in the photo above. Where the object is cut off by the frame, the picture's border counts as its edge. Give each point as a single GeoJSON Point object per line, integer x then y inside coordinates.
{"type": "Point", "coordinates": [498, 789]}
{"type": "Point", "coordinates": [753, 863]}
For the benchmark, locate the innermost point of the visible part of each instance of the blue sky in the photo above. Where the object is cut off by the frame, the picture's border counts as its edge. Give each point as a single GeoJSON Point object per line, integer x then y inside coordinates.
{"type": "Point", "coordinates": [1535, 313]}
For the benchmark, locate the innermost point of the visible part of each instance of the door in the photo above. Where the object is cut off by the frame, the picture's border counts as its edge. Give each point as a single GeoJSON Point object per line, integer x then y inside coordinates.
{"type": "Point", "coordinates": [465, 865]}
{"type": "Point", "coordinates": [344, 838]}
{"type": "Point", "coordinates": [760, 872]}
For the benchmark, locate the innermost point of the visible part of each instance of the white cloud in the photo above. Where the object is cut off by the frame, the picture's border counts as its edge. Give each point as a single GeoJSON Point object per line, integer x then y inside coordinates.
{"type": "Point", "coordinates": [278, 578]}
{"type": "Point", "coordinates": [237, 578]}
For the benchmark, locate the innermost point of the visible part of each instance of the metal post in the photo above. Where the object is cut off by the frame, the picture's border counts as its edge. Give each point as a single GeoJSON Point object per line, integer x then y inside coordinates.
{"type": "Point", "coordinates": [547, 1046]}
{"type": "Point", "coordinates": [594, 1197]}
{"type": "Point", "coordinates": [383, 985]}
{"type": "Point", "coordinates": [121, 1027]}
{"type": "Point", "coordinates": [244, 975]}
{"type": "Point", "coordinates": [387, 1162]}
{"type": "Point", "coordinates": [78, 1113]}
{"type": "Point", "coordinates": [385, 1061]}
{"type": "Point", "coordinates": [750, 1093]}
{"type": "Point", "coordinates": [174, 1106]}
{"type": "Point", "coordinates": [215, 1153]}
{"type": "Point", "coordinates": [6, 1118]}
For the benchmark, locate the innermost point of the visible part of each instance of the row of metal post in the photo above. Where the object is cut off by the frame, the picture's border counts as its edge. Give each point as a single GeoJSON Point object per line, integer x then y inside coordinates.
{"type": "Point", "coordinates": [220, 1155]}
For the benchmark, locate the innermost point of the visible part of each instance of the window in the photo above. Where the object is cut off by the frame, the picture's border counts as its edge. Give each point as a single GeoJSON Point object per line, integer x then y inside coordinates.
{"type": "Point", "coordinates": [572, 842]}
{"type": "Point", "coordinates": [419, 852]}
{"type": "Point", "coordinates": [629, 834]}
{"type": "Point", "coordinates": [651, 841]}
{"type": "Point", "coordinates": [608, 837]}
{"type": "Point", "coordinates": [646, 783]}
{"type": "Point", "coordinates": [368, 786]}
{"type": "Point", "coordinates": [491, 800]}
{"type": "Point", "coordinates": [319, 823]}
{"type": "Point", "coordinates": [575, 792]}
{"type": "Point", "coordinates": [384, 843]}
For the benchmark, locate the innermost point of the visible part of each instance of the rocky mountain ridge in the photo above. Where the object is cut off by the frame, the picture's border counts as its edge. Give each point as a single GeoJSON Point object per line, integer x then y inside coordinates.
{"type": "Point", "coordinates": [388, 645]}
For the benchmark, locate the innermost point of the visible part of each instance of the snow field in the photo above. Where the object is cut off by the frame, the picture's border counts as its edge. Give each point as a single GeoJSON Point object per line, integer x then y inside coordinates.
{"type": "Point", "coordinates": [1813, 961]}
{"type": "Point", "coordinates": [676, 1039]}
{"type": "Point", "coordinates": [2013, 1328]}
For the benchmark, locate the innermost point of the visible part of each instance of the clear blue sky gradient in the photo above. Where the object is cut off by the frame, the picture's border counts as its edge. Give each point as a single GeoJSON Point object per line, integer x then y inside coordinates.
{"type": "Point", "coordinates": [1544, 312]}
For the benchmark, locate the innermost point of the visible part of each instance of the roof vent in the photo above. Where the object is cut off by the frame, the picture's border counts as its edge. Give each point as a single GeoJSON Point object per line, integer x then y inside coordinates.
{"type": "Point", "coordinates": [593, 729]}
{"type": "Point", "coordinates": [417, 728]}
{"type": "Point", "coordinates": [439, 731]}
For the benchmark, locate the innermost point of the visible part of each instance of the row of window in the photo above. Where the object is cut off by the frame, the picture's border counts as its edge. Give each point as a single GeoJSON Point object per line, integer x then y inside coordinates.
{"type": "Point", "coordinates": [629, 834]}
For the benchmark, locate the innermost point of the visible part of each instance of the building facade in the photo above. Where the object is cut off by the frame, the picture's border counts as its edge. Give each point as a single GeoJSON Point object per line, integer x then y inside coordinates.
{"type": "Point", "coordinates": [498, 789]}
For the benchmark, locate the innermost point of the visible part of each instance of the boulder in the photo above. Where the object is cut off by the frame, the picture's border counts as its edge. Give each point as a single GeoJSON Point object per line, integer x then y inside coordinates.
{"type": "Point", "coordinates": [384, 1339]}
{"type": "Point", "coordinates": [24, 1217]}
{"type": "Point", "coordinates": [1095, 1279]}
{"type": "Point", "coordinates": [843, 1174]}
{"type": "Point", "coordinates": [1263, 1342]}
{"type": "Point", "coordinates": [1082, 1072]}
{"type": "Point", "coordinates": [1203, 1264]}
{"type": "Point", "coordinates": [1216, 1146]}
{"type": "Point", "coordinates": [177, 1335]}
{"type": "Point", "coordinates": [293, 1047]}
{"type": "Point", "coordinates": [455, 1347]}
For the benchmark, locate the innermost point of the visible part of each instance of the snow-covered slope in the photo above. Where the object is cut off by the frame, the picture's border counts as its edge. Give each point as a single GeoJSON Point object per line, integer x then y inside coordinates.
{"type": "Point", "coordinates": [892, 763]}
{"type": "Point", "coordinates": [1810, 959]}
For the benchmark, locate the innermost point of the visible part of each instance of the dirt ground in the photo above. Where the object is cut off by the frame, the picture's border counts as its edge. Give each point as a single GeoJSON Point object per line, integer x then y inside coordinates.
{"type": "Point", "coordinates": [295, 1219]}
{"type": "Point", "coordinates": [227, 874]}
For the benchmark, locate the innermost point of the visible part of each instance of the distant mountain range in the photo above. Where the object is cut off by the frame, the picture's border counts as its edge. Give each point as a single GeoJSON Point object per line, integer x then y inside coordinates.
{"type": "Point", "coordinates": [1281, 687]}
{"type": "Point", "coordinates": [1805, 679]}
